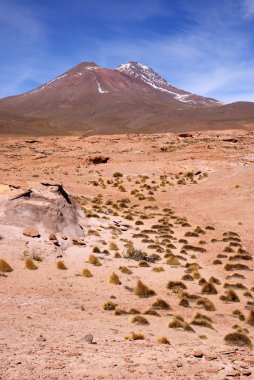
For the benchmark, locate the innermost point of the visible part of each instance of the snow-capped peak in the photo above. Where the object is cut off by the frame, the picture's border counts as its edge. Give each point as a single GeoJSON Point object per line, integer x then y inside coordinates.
{"type": "Point", "coordinates": [153, 79]}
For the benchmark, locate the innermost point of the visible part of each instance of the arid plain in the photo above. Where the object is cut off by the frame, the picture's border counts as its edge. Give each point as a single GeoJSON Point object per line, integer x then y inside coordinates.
{"type": "Point", "coordinates": [155, 239]}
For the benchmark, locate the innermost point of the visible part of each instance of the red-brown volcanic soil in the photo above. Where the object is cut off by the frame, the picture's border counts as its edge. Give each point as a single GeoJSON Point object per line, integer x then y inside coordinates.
{"type": "Point", "coordinates": [187, 198]}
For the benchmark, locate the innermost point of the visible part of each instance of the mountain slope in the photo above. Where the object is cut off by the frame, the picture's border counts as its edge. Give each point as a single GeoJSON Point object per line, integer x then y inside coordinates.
{"type": "Point", "coordinates": [90, 99]}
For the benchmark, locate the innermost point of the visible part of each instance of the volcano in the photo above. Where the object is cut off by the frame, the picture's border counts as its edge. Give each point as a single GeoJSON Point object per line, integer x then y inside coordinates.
{"type": "Point", "coordinates": [132, 98]}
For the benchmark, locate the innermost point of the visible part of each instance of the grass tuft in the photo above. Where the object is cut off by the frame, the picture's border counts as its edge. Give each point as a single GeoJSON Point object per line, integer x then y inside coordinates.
{"type": "Point", "coordinates": [5, 267]}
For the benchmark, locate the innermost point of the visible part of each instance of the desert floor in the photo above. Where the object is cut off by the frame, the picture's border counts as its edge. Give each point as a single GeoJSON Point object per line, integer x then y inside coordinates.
{"type": "Point", "coordinates": [186, 202]}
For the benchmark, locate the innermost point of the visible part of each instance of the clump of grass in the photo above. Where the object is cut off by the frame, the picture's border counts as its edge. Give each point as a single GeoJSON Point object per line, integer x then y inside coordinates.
{"type": "Point", "coordinates": [134, 336]}
{"type": "Point", "coordinates": [248, 294]}
{"type": "Point", "coordinates": [230, 296]}
{"type": "Point", "coordinates": [206, 303]}
{"type": "Point", "coordinates": [143, 263]}
{"type": "Point", "coordinates": [237, 266]}
{"type": "Point", "coordinates": [114, 279]}
{"type": "Point", "coordinates": [238, 339]}
{"type": "Point", "coordinates": [178, 323]}
{"type": "Point", "coordinates": [151, 311]}
{"type": "Point", "coordinates": [142, 291]}
{"type": "Point", "coordinates": [202, 320]}
{"type": "Point", "coordinates": [109, 306]}
{"type": "Point", "coordinates": [196, 275]}
{"type": "Point", "coordinates": [158, 269]}
{"type": "Point", "coordinates": [113, 246]}
{"type": "Point", "coordinates": [173, 260]}
{"type": "Point", "coordinates": [29, 264]}
{"type": "Point", "coordinates": [133, 311]}
{"type": "Point", "coordinates": [250, 318]}
{"type": "Point", "coordinates": [187, 277]}
{"type": "Point", "coordinates": [160, 304]}
{"type": "Point", "coordinates": [184, 302]}
{"type": "Point", "coordinates": [209, 288]}
{"type": "Point", "coordinates": [94, 260]}
{"type": "Point", "coordinates": [121, 312]}
{"type": "Point", "coordinates": [139, 320]}
{"type": "Point", "coordinates": [61, 265]}
{"type": "Point", "coordinates": [217, 262]}
{"type": "Point", "coordinates": [117, 255]}
{"type": "Point", "coordinates": [86, 273]}
{"type": "Point", "coordinates": [237, 313]}
{"type": "Point", "coordinates": [176, 286]}
{"type": "Point", "coordinates": [125, 270]}
{"type": "Point", "coordinates": [162, 340]}
{"type": "Point", "coordinates": [96, 249]}
{"type": "Point", "coordinates": [5, 267]}
{"type": "Point", "coordinates": [215, 280]}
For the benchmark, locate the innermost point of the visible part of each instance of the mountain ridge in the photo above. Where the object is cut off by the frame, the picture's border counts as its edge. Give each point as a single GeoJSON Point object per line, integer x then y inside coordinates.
{"type": "Point", "coordinates": [90, 99]}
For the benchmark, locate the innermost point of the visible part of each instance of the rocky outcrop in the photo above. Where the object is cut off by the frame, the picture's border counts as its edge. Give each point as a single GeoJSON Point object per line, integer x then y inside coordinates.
{"type": "Point", "coordinates": [44, 208]}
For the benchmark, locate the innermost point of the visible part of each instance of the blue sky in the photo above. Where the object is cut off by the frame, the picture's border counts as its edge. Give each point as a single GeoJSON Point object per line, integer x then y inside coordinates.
{"type": "Point", "coordinates": [206, 47]}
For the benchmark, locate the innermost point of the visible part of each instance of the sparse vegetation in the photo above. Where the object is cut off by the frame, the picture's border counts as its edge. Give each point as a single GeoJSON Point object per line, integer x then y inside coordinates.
{"type": "Point", "coordinates": [238, 339]}
{"type": "Point", "coordinates": [30, 264]}
{"type": "Point", "coordinates": [141, 290]}
{"type": "Point", "coordinates": [114, 279]}
{"type": "Point", "coordinates": [61, 265]}
{"type": "Point", "coordinates": [94, 260]}
{"type": "Point", "coordinates": [5, 267]}
{"type": "Point", "coordinates": [86, 273]}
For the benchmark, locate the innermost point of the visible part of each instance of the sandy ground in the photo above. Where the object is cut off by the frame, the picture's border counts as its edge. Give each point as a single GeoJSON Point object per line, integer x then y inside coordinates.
{"type": "Point", "coordinates": [52, 322]}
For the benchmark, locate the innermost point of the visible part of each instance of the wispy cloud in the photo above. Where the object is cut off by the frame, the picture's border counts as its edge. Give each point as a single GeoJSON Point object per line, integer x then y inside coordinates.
{"type": "Point", "coordinates": [204, 49]}
{"type": "Point", "coordinates": [248, 8]}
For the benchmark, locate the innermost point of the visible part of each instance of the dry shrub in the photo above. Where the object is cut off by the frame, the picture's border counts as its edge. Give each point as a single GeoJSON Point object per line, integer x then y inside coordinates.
{"type": "Point", "coordinates": [230, 296]}
{"type": "Point", "coordinates": [151, 311]}
{"type": "Point", "coordinates": [172, 260]}
{"type": "Point", "coordinates": [94, 260]}
{"type": "Point", "coordinates": [114, 279]}
{"type": "Point", "coordinates": [121, 312]}
{"type": "Point", "coordinates": [250, 318]}
{"type": "Point", "coordinates": [134, 336]}
{"type": "Point", "coordinates": [209, 288]}
{"type": "Point", "coordinates": [176, 286]}
{"type": "Point", "coordinates": [187, 277]}
{"type": "Point", "coordinates": [231, 267]}
{"type": "Point", "coordinates": [178, 323]}
{"type": "Point", "coordinates": [125, 270]}
{"type": "Point", "coordinates": [215, 280]}
{"type": "Point", "coordinates": [158, 269]}
{"type": "Point", "coordinates": [206, 303]}
{"type": "Point", "coordinates": [238, 339]}
{"type": "Point", "coordinates": [109, 306]}
{"type": "Point", "coordinates": [139, 320]}
{"type": "Point", "coordinates": [202, 320]}
{"type": "Point", "coordinates": [86, 273]}
{"type": "Point", "coordinates": [143, 263]}
{"type": "Point", "coordinates": [133, 311]}
{"type": "Point", "coordinates": [113, 246]}
{"type": "Point", "coordinates": [141, 290]}
{"type": "Point", "coordinates": [61, 265]}
{"type": "Point", "coordinates": [162, 340]}
{"type": "Point", "coordinates": [239, 315]}
{"type": "Point", "coordinates": [29, 264]}
{"type": "Point", "coordinates": [184, 302]}
{"type": "Point", "coordinates": [5, 267]}
{"type": "Point", "coordinates": [160, 304]}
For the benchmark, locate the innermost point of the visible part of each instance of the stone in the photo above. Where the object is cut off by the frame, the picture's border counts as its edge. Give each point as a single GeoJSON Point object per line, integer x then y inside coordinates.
{"type": "Point", "coordinates": [88, 338]}
{"type": "Point", "coordinates": [198, 354]}
{"type": "Point", "coordinates": [41, 338]}
{"type": "Point", "coordinates": [31, 232]}
{"type": "Point", "coordinates": [53, 237]}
